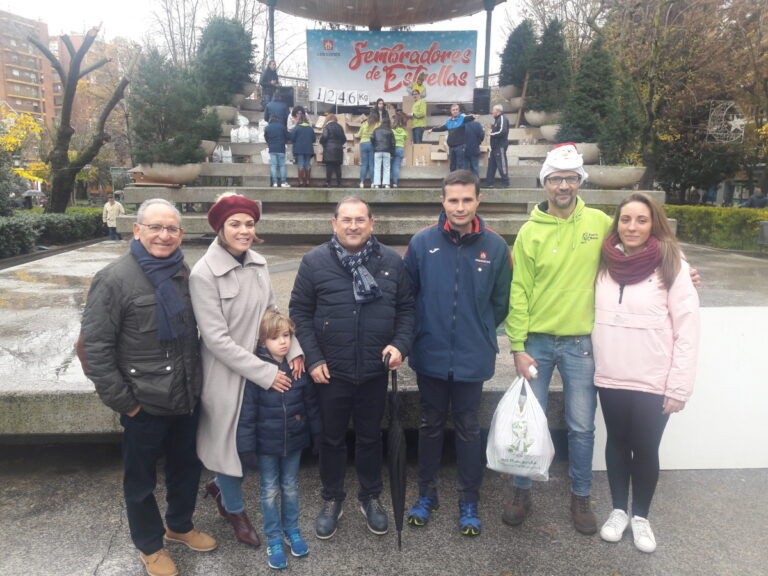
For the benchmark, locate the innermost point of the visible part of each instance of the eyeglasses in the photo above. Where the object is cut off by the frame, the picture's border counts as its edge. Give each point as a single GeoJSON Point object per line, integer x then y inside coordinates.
{"type": "Point", "coordinates": [557, 180]}
{"type": "Point", "coordinates": [158, 228]}
{"type": "Point", "coordinates": [350, 221]}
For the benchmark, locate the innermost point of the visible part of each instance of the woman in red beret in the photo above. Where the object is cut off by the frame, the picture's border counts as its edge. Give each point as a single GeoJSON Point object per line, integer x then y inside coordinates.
{"type": "Point", "coordinates": [231, 290]}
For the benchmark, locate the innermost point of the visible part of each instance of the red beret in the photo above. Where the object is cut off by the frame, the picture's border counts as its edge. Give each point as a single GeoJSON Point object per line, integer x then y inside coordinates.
{"type": "Point", "coordinates": [229, 205]}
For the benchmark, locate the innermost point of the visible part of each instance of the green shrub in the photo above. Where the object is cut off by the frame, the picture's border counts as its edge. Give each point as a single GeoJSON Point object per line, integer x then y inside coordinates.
{"type": "Point", "coordinates": [17, 235]}
{"type": "Point", "coordinates": [719, 227]}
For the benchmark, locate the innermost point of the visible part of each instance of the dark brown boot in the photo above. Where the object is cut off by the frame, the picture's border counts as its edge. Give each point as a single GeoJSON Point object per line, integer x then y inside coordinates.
{"type": "Point", "coordinates": [581, 511]}
{"type": "Point", "coordinates": [516, 505]}
{"type": "Point", "coordinates": [244, 530]}
{"type": "Point", "coordinates": [212, 490]}
{"type": "Point", "coordinates": [307, 177]}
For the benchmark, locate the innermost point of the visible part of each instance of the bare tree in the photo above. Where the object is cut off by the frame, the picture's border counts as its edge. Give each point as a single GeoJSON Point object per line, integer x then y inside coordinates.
{"type": "Point", "coordinates": [580, 20]}
{"type": "Point", "coordinates": [178, 22]}
{"type": "Point", "coordinates": [64, 169]}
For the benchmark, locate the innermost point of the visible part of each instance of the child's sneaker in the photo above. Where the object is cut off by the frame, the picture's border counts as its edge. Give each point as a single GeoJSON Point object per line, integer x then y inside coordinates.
{"type": "Point", "coordinates": [469, 521]}
{"type": "Point", "coordinates": [276, 555]}
{"type": "Point", "coordinates": [422, 510]}
{"type": "Point", "coordinates": [298, 546]}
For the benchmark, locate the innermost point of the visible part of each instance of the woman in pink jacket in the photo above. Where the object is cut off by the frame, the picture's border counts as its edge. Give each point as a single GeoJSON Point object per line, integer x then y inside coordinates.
{"type": "Point", "coordinates": [645, 343]}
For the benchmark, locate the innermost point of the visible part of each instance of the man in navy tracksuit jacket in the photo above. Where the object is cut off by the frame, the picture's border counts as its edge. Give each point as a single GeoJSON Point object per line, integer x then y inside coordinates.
{"type": "Point", "coordinates": [461, 274]}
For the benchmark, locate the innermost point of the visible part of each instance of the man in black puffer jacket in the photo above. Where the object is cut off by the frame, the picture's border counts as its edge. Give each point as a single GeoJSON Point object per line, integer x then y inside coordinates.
{"type": "Point", "coordinates": [139, 345]}
{"type": "Point", "coordinates": [352, 305]}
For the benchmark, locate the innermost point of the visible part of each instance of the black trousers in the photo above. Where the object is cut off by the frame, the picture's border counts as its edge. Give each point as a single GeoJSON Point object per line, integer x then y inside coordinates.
{"type": "Point", "coordinates": [462, 399]}
{"type": "Point", "coordinates": [635, 424]}
{"type": "Point", "coordinates": [332, 168]}
{"type": "Point", "coordinates": [146, 439]}
{"type": "Point", "coordinates": [497, 160]}
{"type": "Point", "coordinates": [365, 404]}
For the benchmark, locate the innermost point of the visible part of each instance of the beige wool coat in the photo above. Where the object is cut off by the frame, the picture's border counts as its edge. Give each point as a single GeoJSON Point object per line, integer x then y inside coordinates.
{"type": "Point", "coordinates": [229, 301]}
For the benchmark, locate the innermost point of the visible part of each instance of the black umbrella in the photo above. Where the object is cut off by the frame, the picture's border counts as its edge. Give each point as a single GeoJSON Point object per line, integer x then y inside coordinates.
{"type": "Point", "coordinates": [396, 453]}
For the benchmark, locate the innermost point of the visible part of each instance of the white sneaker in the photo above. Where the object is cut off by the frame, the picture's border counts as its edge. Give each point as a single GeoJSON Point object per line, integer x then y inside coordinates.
{"type": "Point", "coordinates": [274, 185]}
{"type": "Point", "coordinates": [645, 541]}
{"type": "Point", "coordinates": [387, 186]}
{"type": "Point", "coordinates": [285, 185]}
{"type": "Point", "coordinates": [613, 529]}
{"type": "Point", "coordinates": [362, 184]}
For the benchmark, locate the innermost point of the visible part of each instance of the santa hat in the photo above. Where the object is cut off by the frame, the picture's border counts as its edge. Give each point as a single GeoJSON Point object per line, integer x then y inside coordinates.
{"type": "Point", "coordinates": [563, 157]}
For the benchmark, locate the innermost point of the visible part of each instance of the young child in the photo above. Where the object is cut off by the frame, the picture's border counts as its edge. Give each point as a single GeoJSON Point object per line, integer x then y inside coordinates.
{"type": "Point", "coordinates": [278, 429]}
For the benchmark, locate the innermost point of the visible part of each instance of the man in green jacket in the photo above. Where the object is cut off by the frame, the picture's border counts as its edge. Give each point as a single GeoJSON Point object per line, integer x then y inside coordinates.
{"type": "Point", "coordinates": [556, 257]}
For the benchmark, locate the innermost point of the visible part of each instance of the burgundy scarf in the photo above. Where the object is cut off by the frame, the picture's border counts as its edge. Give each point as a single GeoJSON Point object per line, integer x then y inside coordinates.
{"type": "Point", "coordinates": [630, 269]}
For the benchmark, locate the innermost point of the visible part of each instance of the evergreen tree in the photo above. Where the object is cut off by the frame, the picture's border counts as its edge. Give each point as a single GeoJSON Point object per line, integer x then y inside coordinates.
{"type": "Point", "coordinates": [549, 71]}
{"type": "Point", "coordinates": [224, 60]}
{"type": "Point", "coordinates": [517, 52]}
{"type": "Point", "coordinates": [165, 107]}
{"type": "Point", "coordinates": [592, 103]}
{"type": "Point", "coordinates": [619, 137]}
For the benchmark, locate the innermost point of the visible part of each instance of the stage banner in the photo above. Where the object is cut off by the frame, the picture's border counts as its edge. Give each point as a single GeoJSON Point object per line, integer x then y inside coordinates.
{"type": "Point", "coordinates": [351, 67]}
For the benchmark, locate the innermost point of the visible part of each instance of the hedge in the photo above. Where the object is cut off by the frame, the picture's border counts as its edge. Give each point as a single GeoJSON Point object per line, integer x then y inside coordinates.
{"type": "Point", "coordinates": [20, 233]}
{"type": "Point", "coordinates": [720, 227]}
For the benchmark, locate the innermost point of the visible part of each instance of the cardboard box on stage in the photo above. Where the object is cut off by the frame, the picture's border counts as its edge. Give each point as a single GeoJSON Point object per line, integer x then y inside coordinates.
{"type": "Point", "coordinates": [408, 104]}
{"type": "Point", "coordinates": [422, 154]}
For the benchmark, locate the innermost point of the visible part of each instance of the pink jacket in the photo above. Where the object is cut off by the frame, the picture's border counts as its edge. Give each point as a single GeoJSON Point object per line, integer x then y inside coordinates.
{"type": "Point", "coordinates": [647, 338]}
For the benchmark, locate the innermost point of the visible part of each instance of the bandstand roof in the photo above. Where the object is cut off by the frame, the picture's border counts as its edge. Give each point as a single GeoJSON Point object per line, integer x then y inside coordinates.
{"type": "Point", "coordinates": [378, 13]}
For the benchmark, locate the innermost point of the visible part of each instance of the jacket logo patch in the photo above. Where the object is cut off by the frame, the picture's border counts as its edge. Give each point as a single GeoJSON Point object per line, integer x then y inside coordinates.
{"type": "Point", "coordinates": [483, 259]}
{"type": "Point", "coordinates": [433, 250]}
{"type": "Point", "coordinates": [589, 237]}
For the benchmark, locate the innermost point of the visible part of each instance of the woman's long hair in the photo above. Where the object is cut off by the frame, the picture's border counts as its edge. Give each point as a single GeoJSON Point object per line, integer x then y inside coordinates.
{"type": "Point", "coordinates": [669, 248]}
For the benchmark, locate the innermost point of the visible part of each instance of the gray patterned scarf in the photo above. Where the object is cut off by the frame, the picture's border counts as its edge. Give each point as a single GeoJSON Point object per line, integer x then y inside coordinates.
{"type": "Point", "coordinates": [363, 284]}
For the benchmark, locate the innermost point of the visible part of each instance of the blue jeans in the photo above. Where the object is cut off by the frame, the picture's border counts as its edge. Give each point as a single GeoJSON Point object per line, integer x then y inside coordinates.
{"type": "Point", "coordinates": [277, 161]}
{"type": "Point", "coordinates": [279, 475]}
{"type": "Point", "coordinates": [463, 399]}
{"type": "Point", "coordinates": [456, 155]}
{"type": "Point", "coordinates": [473, 164]}
{"type": "Point", "coordinates": [397, 161]}
{"type": "Point", "coordinates": [231, 492]}
{"type": "Point", "coordinates": [573, 357]}
{"type": "Point", "coordinates": [381, 162]}
{"type": "Point", "coordinates": [303, 161]}
{"type": "Point", "coordinates": [418, 134]}
{"type": "Point", "coordinates": [113, 233]}
{"type": "Point", "coordinates": [366, 160]}
{"type": "Point", "coordinates": [146, 439]}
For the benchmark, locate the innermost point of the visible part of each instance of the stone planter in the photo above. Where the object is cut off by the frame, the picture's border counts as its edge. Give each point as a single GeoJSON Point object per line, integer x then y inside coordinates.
{"type": "Point", "coordinates": [251, 104]}
{"type": "Point", "coordinates": [509, 91]}
{"type": "Point", "coordinates": [225, 113]}
{"type": "Point", "coordinates": [159, 174]}
{"type": "Point", "coordinates": [614, 177]}
{"type": "Point", "coordinates": [514, 104]}
{"type": "Point", "coordinates": [249, 88]}
{"type": "Point", "coordinates": [538, 118]}
{"type": "Point", "coordinates": [589, 151]}
{"type": "Point", "coordinates": [237, 99]}
{"type": "Point", "coordinates": [207, 146]}
{"type": "Point", "coordinates": [549, 132]}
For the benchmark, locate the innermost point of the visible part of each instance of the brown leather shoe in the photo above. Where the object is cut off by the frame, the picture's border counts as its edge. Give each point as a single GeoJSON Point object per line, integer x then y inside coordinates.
{"type": "Point", "coordinates": [516, 505]}
{"type": "Point", "coordinates": [581, 511]}
{"type": "Point", "coordinates": [194, 539]}
{"type": "Point", "coordinates": [212, 489]}
{"type": "Point", "coordinates": [244, 530]}
{"type": "Point", "coordinates": [159, 563]}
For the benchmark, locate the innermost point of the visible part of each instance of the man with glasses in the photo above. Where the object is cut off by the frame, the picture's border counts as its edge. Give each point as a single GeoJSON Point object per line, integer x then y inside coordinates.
{"type": "Point", "coordinates": [556, 257]}
{"type": "Point", "coordinates": [353, 307]}
{"type": "Point", "coordinates": [138, 344]}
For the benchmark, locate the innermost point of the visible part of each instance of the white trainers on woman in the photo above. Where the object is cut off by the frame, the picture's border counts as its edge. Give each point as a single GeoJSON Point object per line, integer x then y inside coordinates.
{"type": "Point", "coordinates": [645, 541]}
{"type": "Point", "coordinates": [613, 529]}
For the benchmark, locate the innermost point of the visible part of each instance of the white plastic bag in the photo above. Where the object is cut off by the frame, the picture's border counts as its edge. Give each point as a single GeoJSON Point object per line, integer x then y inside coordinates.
{"type": "Point", "coordinates": [265, 159]}
{"type": "Point", "coordinates": [218, 153]}
{"type": "Point", "coordinates": [226, 155]}
{"type": "Point", "coordinates": [234, 135]}
{"type": "Point", "coordinates": [243, 134]}
{"type": "Point", "coordinates": [242, 120]}
{"type": "Point", "coordinates": [519, 442]}
{"type": "Point", "coordinates": [254, 134]}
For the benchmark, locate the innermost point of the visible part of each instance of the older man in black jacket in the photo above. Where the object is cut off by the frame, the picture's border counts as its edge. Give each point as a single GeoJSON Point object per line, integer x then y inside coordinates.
{"type": "Point", "coordinates": [352, 305]}
{"type": "Point", "coordinates": [139, 345]}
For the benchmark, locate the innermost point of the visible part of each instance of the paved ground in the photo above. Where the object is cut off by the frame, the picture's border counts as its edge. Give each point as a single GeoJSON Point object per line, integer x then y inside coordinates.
{"type": "Point", "coordinates": [62, 515]}
{"type": "Point", "coordinates": [61, 510]}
